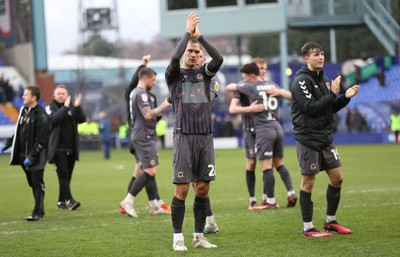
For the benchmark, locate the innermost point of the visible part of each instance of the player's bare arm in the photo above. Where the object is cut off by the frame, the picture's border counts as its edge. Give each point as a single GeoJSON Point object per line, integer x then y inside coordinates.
{"type": "Point", "coordinates": [274, 91]}
{"type": "Point", "coordinates": [149, 114]}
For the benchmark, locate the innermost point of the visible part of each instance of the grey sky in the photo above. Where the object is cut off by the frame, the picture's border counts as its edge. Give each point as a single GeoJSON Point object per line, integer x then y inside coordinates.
{"type": "Point", "coordinates": [138, 21]}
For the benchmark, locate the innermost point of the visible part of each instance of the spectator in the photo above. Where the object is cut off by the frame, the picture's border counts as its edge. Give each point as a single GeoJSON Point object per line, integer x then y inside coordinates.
{"type": "Point", "coordinates": [29, 144]}
{"type": "Point", "coordinates": [395, 125]}
{"type": "Point", "coordinates": [161, 130]}
{"type": "Point", "coordinates": [358, 122]}
{"type": "Point", "coordinates": [64, 114]}
{"type": "Point", "coordinates": [105, 134]}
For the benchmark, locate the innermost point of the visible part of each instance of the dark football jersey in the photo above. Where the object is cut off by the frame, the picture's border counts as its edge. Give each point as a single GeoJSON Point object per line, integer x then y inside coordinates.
{"type": "Point", "coordinates": [141, 128]}
{"type": "Point", "coordinates": [247, 118]}
{"type": "Point", "coordinates": [256, 91]}
{"type": "Point", "coordinates": [191, 100]}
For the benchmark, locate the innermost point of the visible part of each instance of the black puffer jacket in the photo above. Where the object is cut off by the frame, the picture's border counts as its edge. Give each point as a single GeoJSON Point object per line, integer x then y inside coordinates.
{"type": "Point", "coordinates": [37, 136]}
{"type": "Point", "coordinates": [313, 106]}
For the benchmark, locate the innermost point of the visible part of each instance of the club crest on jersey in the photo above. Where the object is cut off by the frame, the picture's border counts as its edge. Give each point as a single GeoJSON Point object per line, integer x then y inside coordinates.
{"type": "Point", "coordinates": [199, 77]}
{"type": "Point", "coordinates": [145, 98]}
{"type": "Point", "coordinates": [153, 162]}
{"type": "Point", "coordinates": [216, 87]}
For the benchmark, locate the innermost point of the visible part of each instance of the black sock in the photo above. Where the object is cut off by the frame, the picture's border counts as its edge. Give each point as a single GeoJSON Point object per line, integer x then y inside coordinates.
{"type": "Point", "coordinates": [332, 200]}
{"type": "Point", "coordinates": [306, 206]}
{"type": "Point", "coordinates": [200, 213]}
{"type": "Point", "coordinates": [251, 182]}
{"type": "Point", "coordinates": [209, 210]}
{"type": "Point", "coordinates": [285, 176]}
{"type": "Point", "coordinates": [177, 214]}
{"type": "Point", "coordinates": [139, 183]}
{"type": "Point", "coordinates": [131, 183]}
{"type": "Point", "coordinates": [269, 182]}
{"type": "Point", "coordinates": [151, 189]}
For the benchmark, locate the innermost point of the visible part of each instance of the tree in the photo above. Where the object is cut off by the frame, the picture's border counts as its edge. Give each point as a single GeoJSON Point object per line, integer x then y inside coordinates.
{"type": "Point", "coordinates": [96, 45]}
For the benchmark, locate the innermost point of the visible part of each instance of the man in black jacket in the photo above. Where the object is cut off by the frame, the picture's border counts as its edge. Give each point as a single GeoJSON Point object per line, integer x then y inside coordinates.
{"type": "Point", "coordinates": [29, 144]}
{"type": "Point", "coordinates": [64, 142]}
{"type": "Point", "coordinates": [314, 102]}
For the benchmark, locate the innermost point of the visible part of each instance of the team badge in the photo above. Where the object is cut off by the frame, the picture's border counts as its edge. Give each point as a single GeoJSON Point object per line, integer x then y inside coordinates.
{"type": "Point", "coordinates": [241, 84]}
{"type": "Point", "coordinates": [200, 77]}
{"type": "Point", "coordinates": [313, 167]}
{"type": "Point", "coordinates": [180, 174]}
{"type": "Point", "coordinates": [145, 98]}
{"type": "Point", "coordinates": [216, 87]}
{"type": "Point", "coordinates": [152, 162]}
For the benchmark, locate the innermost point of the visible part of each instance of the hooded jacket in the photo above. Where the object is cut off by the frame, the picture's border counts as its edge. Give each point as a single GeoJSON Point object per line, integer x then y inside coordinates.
{"type": "Point", "coordinates": [313, 106]}
{"type": "Point", "coordinates": [36, 134]}
{"type": "Point", "coordinates": [57, 114]}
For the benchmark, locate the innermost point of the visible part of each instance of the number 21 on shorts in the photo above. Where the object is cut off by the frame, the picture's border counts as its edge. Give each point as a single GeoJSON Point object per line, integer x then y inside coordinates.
{"type": "Point", "coordinates": [212, 170]}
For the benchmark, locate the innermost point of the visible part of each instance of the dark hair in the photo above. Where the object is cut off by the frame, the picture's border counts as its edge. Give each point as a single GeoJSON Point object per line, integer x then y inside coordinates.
{"type": "Point", "coordinates": [193, 40]}
{"type": "Point", "coordinates": [148, 72]}
{"type": "Point", "coordinates": [308, 47]}
{"type": "Point", "coordinates": [35, 91]}
{"type": "Point", "coordinates": [250, 68]}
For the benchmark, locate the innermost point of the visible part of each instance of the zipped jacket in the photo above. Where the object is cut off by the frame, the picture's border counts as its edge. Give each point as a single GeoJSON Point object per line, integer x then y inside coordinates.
{"type": "Point", "coordinates": [313, 107]}
{"type": "Point", "coordinates": [36, 134]}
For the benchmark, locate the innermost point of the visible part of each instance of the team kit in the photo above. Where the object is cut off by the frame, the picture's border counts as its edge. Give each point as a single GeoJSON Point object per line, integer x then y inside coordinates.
{"type": "Point", "coordinates": [50, 135]}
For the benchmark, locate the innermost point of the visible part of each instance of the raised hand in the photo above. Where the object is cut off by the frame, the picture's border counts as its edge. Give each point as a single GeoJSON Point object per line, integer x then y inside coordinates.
{"type": "Point", "coordinates": [67, 101]}
{"type": "Point", "coordinates": [335, 85]}
{"type": "Point", "coordinates": [191, 22]}
{"type": "Point", "coordinates": [146, 59]}
{"type": "Point", "coordinates": [78, 100]}
{"type": "Point", "coordinates": [352, 91]}
{"type": "Point", "coordinates": [196, 33]}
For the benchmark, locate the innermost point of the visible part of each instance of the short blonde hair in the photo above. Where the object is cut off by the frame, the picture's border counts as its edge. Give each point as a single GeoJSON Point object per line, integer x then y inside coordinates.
{"type": "Point", "coordinates": [259, 60]}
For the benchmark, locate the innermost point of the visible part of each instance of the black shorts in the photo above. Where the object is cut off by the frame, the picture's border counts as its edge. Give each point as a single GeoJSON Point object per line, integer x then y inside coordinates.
{"type": "Point", "coordinates": [193, 158]}
{"type": "Point", "coordinates": [312, 161]}
{"type": "Point", "coordinates": [146, 152]}
{"type": "Point", "coordinates": [249, 142]}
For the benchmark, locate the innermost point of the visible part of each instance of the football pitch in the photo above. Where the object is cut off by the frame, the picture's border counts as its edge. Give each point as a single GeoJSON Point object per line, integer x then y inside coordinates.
{"type": "Point", "coordinates": [369, 206]}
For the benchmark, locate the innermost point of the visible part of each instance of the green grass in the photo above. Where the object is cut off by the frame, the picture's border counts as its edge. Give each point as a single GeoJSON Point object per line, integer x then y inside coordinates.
{"type": "Point", "coordinates": [369, 206]}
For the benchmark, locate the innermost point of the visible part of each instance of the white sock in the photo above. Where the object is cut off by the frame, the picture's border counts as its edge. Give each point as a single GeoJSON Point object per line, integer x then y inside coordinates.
{"type": "Point", "coordinates": [197, 235]}
{"type": "Point", "coordinates": [307, 226]}
{"type": "Point", "coordinates": [178, 237]}
{"type": "Point", "coordinates": [253, 199]}
{"type": "Point", "coordinates": [271, 200]}
{"type": "Point", "coordinates": [154, 203]}
{"type": "Point", "coordinates": [291, 192]}
{"type": "Point", "coordinates": [160, 202]}
{"type": "Point", "coordinates": [210, 219]}
{"type": "Point", "coordinates": [330, 218]}
{"type": "Point", "coordinates": [129, 198]}
{"type": "Point", "coordinates": [264, 197]}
